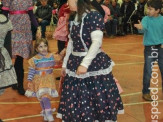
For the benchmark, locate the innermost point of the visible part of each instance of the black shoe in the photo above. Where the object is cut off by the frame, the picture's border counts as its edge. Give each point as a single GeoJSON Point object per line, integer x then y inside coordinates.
{"type": "Point", "coordinates": [57, 78]}
{"type": "Point", "coordinates": [122, 34]}
{"type": "Point", "coordinates": [1, 120]}
{"type": "Point", "coordinates": [21, 91]}
{"type": "Point", "coordinates": [14, 87]}
{"type": "Point", "coordinates": [147, 97]}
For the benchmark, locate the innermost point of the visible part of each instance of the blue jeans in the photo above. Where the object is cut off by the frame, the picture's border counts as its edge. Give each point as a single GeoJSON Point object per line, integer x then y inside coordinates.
{"type": "Point", "coordinates": [151, 54]}
{"type": "Point", "coordinates": [43, 25]}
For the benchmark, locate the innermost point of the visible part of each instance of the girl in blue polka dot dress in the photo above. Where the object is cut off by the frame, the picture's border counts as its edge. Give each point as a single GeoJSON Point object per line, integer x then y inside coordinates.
{"type": "Point", "coordinates": [89, 92]}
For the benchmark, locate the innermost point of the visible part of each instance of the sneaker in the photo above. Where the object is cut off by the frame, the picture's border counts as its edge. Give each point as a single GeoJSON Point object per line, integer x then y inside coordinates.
{"type": "Point", "coordinates": [147, 97]}
{"type": "Point", "coordinates": [44, 116]}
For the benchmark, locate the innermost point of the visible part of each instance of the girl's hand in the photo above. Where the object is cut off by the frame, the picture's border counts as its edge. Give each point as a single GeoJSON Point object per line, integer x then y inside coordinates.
{"type": "Point", "coordinates": [30, 85]}
{"type": "Point", "coordinates": [63, 71]}
{"type": "Point", "coordinates": [138, 26]}
{"type": "Point", "coordinates": [81, 70]}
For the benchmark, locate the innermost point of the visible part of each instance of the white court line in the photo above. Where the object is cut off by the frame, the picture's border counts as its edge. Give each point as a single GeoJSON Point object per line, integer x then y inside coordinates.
{"type": "Point", "coordinates": [123, 95]}
{"type": "Point", "coordinates": [135, 93]}
{"type": "Point", "coordinates": [140, 56]}
{"type": "Point", "coordinates": [38, 115]}
{"type": "Point", "coordinates": [109, 45]}
{"type": "Point", "coordinates": [129, 63]}
{"type": "Point", "coordinates": [21, 103]}
{"type": "Point", "coordinates": [131, 94]}
{"type": "Point", "coordinates": [140, 103]}
{"type": "Point", "coordinates": [122, 44]}
{"type": "Point", "coordinates": [24, 117]}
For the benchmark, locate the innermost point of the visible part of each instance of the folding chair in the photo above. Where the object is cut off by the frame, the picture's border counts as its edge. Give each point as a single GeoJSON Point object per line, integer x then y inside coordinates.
{"type": "Point", "coordinates": [51, 27]}
{"type": "Point", "coordinates": [130, 22]}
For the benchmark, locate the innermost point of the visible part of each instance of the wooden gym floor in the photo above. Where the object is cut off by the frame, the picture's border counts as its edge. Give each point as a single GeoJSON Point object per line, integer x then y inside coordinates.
{"type": "Point", "coordinates": [127, 53]}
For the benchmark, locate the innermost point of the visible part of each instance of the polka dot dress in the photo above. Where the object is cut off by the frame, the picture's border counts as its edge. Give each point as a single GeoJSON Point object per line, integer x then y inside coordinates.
{"type": "Point", "coordinates": [94, 96]}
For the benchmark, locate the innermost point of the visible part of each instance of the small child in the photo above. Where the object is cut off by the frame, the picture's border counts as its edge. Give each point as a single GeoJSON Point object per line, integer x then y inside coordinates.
{"type": "Point", "coordinates": [152, 26]}
{"type": "Point", "coordinates": [41, 81]}
{"type": "Point", "coordinates": [61, 31]}
{"type": "Point", "coordinates": [55, 12]}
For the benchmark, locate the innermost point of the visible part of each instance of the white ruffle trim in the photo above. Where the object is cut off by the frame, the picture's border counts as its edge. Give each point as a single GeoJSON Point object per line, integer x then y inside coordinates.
{"type": "Point", "coordinates": [59, 115]}
{"type": "Point", "coordinates": [93, 73]}
{"type": "Point", "coordinates": [119, 112]}
{"type": "Point", "coordinates": [106, 121]}
{"type": "Point", "coordinates": [42, 91]}
{"type": "Point", "coordinates": [29, 93]}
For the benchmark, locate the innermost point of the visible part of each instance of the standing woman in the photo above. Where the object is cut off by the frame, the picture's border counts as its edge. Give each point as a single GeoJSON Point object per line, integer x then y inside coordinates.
{"type": "Point", "coordinates": [20, 13]}
{"type": "Point", "coordinates": [7, 71]}
{"type": "Point", "coordinates": [89, 91]}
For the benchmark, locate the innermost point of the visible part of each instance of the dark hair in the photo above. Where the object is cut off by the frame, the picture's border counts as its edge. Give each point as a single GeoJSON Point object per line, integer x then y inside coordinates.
{"type": "Point", "coordinates": [86, 5]}
{"type": "Point", "coordinates": [38, 42]}
{"type": "Point", "coordinates": [83, 6]}
{"type": "Point", "coordinates": [98, 7]}
{"type": "Point", "coordinates": [61, 3]}
{"type": "Point", "coordinates": [156, 4]}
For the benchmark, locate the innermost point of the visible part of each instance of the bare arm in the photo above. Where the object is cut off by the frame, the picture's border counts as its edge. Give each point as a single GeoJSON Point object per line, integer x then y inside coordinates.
{"type": "Point", "coordinates": [138, 26]}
